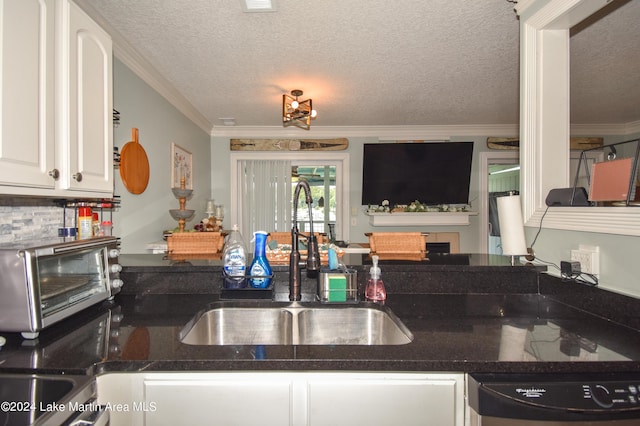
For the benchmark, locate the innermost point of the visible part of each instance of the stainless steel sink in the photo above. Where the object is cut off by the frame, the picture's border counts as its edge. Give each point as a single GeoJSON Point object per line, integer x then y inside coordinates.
{"type": "Point", "coordinates": [295, 323]}
{"type": "Point", "coordinates": [351, 326]}
{"type": "Point", "coordinates": [236, 325]}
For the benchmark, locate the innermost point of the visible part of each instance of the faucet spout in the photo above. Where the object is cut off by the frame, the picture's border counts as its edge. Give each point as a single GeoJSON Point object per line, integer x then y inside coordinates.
{"type": "Point", "coordinates": [312, 263]}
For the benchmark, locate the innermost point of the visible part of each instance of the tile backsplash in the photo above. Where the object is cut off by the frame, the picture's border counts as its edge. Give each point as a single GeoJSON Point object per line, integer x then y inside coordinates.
{"type": "Point", "coordinates": [28, 219]}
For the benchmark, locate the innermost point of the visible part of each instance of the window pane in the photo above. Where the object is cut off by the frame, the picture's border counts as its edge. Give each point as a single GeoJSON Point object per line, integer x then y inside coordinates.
{"type": "Point", "coordinates": [322, 180]}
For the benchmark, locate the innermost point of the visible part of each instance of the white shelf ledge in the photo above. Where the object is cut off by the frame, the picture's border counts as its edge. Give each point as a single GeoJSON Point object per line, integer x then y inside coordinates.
{"type": "Point", "coordinates": [420, 219]}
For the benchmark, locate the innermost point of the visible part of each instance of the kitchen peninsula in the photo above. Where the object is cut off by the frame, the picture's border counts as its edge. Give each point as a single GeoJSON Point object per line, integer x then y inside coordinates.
{"type": "Point", "coordinates": [467, 313]}
{"type": "Point", "coordinates": [455, 305]}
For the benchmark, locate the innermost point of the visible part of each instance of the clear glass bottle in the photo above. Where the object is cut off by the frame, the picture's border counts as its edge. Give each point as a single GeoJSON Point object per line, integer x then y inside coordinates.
{"type": "Point", "coordinates": [374, 290]}
{"type": "Point", "coordinates": [95, 225]}
{"type": "Point", "coordinates": [260, 271]}
{"type": "Point", "coordinates": [235, 260]}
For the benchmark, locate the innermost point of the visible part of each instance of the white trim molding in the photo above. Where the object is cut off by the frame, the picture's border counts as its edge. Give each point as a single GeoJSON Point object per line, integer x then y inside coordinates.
{"type": "Point", "coordinates": [544, 119]}
{"type": "Point", "coordinates": [139, 65]}
{"type": "Point", "coordinates": [604, 220]}
{"type": "Point", "coordinates": [420, 219]}
{"type": "Point", "coordinates": [426, 132]}
{"type": "Point", "coordinates": [487, 158]}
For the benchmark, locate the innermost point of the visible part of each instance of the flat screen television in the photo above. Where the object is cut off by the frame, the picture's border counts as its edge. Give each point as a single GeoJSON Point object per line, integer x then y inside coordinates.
{"type": "Point", "coordinates": [430, 172]}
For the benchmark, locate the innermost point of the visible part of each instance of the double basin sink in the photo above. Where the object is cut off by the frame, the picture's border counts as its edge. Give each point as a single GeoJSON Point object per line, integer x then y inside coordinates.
{"type": "Point", "coordinates": [295, 323]}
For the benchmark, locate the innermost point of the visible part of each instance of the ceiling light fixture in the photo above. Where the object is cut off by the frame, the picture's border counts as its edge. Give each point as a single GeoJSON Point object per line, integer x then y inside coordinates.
{"type": "Point", "coordinates": [258, 5]}
{"type": "Point", "coordinates": [296, 112]}
{"type": "Point", "coordinates": [228, 121]}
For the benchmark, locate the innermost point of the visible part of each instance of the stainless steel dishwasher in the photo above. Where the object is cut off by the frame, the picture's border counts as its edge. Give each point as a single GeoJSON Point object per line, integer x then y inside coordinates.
{"type": "Point", "coordinates": [554, 399]}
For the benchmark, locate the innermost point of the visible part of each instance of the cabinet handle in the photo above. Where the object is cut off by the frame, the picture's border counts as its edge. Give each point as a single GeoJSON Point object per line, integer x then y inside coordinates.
{"type": "Point", "coordinates": [77, 177]}
{"type": "Point", "coordinates": [54, 173]}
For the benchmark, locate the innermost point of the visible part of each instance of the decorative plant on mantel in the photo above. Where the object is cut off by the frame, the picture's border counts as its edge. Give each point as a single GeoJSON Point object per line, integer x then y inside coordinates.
{"type": "Point", "coordinates": [416, 207]}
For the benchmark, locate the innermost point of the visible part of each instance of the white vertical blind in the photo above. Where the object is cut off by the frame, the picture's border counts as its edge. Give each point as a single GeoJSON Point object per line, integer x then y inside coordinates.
{"type": "Point", "coordinates": [265, 199]}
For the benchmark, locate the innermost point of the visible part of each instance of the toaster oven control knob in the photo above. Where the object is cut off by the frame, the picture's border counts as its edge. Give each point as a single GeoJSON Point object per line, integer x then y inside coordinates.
{"type": "Point", "coordinates": [115, 268]}
{"type": "Point", "coordinates": [117, 283]}
{"type": "Point", "coordinates": [113, 253]}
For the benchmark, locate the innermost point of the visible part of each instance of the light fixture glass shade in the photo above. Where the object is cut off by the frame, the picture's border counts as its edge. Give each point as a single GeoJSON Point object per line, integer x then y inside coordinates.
{"type": "Point", "coordinates": [296, 112]}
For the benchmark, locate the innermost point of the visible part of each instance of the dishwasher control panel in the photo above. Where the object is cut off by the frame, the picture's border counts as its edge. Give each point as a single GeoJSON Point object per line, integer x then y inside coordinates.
{"type": "Point", "coordinates": [580, 395]}
{"type": "Point", "coordinates": [555, 396]}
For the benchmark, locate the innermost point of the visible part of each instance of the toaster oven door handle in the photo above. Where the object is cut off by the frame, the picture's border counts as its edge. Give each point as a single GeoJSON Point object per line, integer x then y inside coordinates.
{"type": "Point", "coordinates": [76, 247]}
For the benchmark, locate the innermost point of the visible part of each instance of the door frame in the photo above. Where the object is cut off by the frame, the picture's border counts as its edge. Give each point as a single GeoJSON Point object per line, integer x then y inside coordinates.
{"type": "Point", "coordinates": [340, 160]}
{"type": "Point", "coordinates": [486, 158]}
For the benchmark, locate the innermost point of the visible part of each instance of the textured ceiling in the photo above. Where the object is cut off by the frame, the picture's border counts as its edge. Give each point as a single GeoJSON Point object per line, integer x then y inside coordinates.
{"type": "Point", "coordinates": [406, 62]}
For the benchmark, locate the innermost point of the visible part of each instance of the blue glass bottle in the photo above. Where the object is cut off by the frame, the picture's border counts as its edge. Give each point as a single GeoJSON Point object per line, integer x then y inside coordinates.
{"type": "Point", "coordinates": [260, 271]}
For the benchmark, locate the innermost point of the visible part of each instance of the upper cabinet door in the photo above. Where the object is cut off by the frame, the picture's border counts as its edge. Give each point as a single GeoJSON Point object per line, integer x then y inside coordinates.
{"type": "Point", "coordinates": [85, 136]}
{"type": "Point", "coordinates": [27, 92]}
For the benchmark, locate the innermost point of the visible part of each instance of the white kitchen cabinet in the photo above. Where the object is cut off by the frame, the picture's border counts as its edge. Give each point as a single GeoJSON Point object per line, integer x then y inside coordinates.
{"type": "Point", "coordinates": [283, 398]}
{"type": "Point", "coordinates": [221, 399]}
{"type": "Point", "coordinates": [197, 398]}
{"type": "Point", "coordinates": [56, 129]}
{"type": "Point", "coordinates": [85, 102]}
{"type": "Point", "coordinates": [386, 399]}
{"type": "Point", "coordinates": [27, 121]}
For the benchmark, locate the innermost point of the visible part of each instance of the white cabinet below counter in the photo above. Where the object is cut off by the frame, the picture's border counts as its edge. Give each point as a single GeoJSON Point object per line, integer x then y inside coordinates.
{"type": "Point", "coordinates": [284, 398]}
{"type": "Point", "coordinates": [56, 135]}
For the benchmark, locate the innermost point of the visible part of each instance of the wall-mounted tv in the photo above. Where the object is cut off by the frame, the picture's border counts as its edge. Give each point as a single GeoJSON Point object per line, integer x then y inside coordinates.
{"type": "Point", "coordinates": [430, 172]}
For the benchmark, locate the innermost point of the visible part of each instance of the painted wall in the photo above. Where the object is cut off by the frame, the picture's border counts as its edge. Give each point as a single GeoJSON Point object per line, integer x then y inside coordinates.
{"type": "Point", "coordinates": [618, 253]}
{"type": "Point", "coordinates": [469, 235]}
{"type": "Point", "coordinates": [142, 218]}
{"type": "Point", "coordinates": [619, 262]}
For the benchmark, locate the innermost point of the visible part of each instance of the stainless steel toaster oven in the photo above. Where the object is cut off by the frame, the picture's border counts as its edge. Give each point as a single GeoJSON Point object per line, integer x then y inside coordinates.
{"type": "Point", "coordinates": [42, 283]}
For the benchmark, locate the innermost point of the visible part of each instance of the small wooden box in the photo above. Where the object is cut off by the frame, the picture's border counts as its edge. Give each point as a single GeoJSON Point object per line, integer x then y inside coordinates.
{"type": "Point", "coordinates": [195, 242]}
{"type": "Point", "coordinates": [285, 237]}
{"type": "Point", "coordinates": [397, 243]}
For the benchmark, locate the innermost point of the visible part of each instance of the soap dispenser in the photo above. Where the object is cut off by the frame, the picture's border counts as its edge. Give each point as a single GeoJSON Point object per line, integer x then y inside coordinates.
{"type": "Point", "coordinates": [260, 271]}
{"type": "Point", "coordinates": [235, 260]}
{"type": "Point", "coordinates": [374, 290]}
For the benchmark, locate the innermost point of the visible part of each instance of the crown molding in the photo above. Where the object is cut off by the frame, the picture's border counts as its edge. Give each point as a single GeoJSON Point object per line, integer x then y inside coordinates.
{"type": "Point", "coordinates": [427, 132]}
{"type": "Point", "coordinates": [140, 66]}
{"type": "Point", "coordinates": [605, 129]}
{"type": "Point", "coordinates": [632, 127]}
{"type": "Point", "coordinates": [146, 72]}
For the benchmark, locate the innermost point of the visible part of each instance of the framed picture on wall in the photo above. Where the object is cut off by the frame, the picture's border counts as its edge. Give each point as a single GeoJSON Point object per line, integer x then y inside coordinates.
{"type": "Point", "coordinates": [181, 166]}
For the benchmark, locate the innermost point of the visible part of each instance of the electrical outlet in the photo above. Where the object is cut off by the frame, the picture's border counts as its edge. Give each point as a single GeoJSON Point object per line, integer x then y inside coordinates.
{"type": "Point", "coordinates": [589, 258]}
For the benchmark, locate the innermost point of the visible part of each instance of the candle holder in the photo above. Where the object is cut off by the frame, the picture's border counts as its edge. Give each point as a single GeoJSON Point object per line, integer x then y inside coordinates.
{"type": "Point", "coordinates": [182, 214]}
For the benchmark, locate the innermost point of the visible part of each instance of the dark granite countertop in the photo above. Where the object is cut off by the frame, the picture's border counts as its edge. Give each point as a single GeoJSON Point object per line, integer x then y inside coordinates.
{"type": "Point", "coordinates": [469, 317]}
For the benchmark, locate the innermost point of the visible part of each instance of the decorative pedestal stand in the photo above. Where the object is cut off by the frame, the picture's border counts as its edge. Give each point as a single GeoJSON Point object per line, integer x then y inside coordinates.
{"type": "Point", "coordinates": [182, 214]}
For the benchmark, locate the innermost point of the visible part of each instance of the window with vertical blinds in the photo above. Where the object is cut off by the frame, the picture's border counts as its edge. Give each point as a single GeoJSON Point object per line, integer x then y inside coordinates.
{"type": "Point", "coordinates": [265, 196]}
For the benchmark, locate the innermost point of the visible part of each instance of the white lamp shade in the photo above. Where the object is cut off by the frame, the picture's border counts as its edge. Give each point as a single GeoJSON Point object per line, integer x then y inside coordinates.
{"type": "Point", "coordinates": [511, 226]}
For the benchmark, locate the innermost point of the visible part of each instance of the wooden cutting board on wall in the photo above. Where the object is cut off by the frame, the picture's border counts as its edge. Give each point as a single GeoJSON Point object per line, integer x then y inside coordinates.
{"type": "Point", "coordinates": [514, 143]}
{"type": "Point", "coordinates": [134, 165]}
{"type": "Point", "coordinates": [337, 144]}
